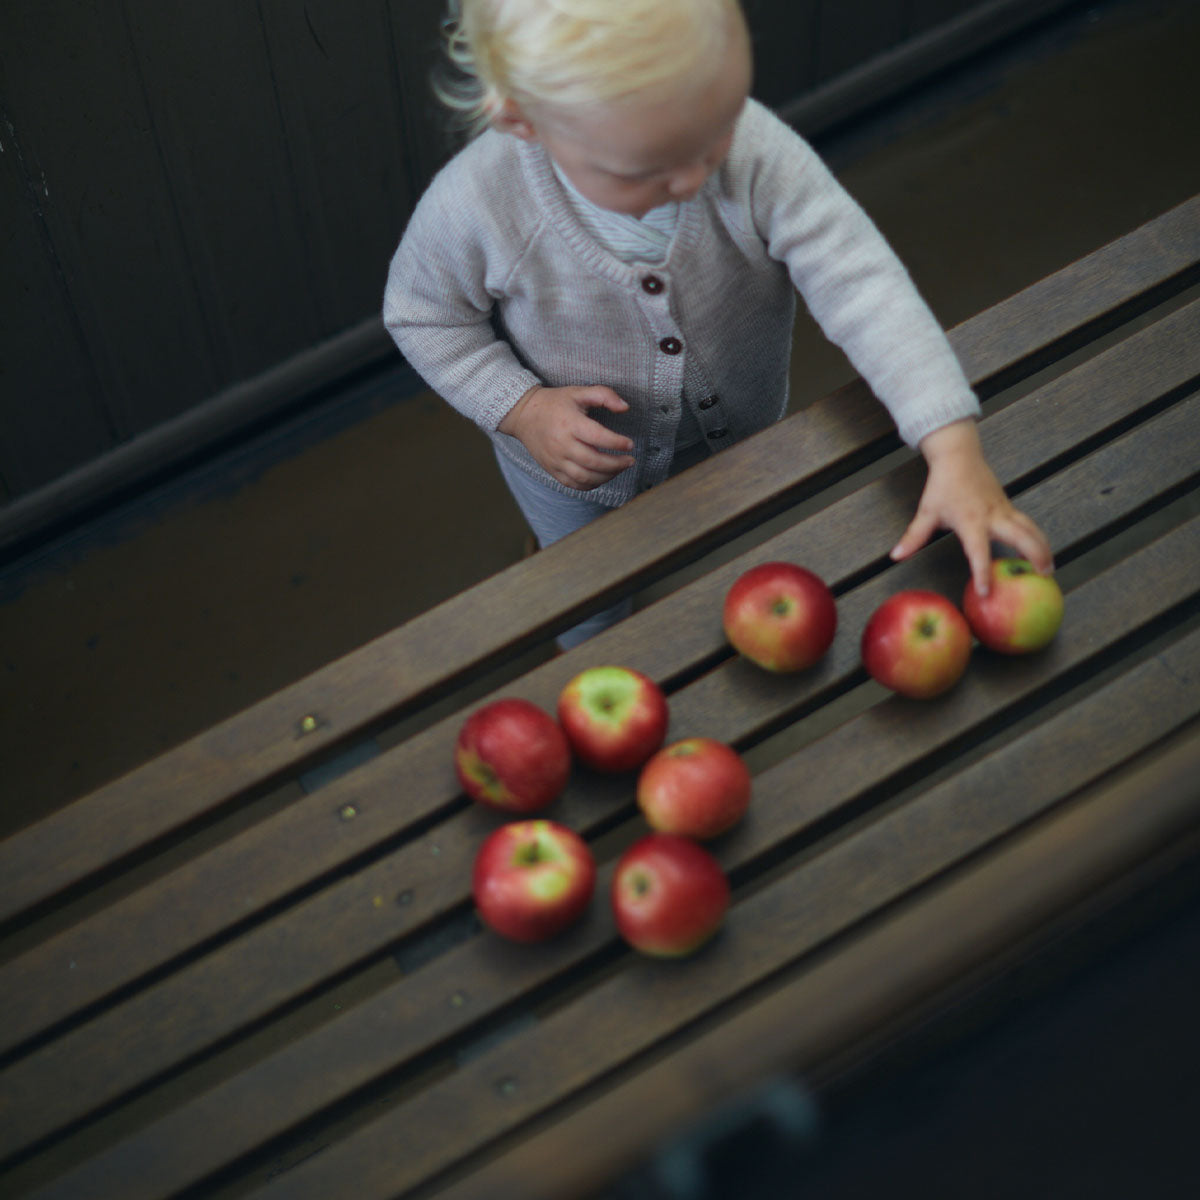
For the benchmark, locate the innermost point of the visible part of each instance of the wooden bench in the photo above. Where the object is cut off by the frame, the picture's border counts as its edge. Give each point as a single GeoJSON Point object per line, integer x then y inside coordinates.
{"type": "Point", "coordinates": [251, 966]}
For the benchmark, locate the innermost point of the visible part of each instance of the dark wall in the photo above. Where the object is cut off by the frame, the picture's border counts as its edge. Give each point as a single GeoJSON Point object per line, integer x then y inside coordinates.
{"type": "Point", "coordinates": [193, 192]}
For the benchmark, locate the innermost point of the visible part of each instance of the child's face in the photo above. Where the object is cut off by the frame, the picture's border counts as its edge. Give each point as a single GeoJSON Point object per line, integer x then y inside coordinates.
{"type": "Point", "coordinates": [632, 157]}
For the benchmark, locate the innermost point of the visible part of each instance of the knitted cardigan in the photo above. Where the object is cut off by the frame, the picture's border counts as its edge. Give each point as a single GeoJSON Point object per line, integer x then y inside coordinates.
{"type": "Point", "coordinates": [496, 287]}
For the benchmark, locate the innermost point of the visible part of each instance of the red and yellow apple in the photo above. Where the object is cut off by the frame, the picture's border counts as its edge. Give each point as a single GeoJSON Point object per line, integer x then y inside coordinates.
{"type": "Point", "coordinates": [669, 895]}
{"type": "Point", "coordinates": [614, 717]}
{"type": "Point", "coordinates": [697, 787]}
{"type": "Point", "coordinates": [512, 755]}
{"type": "Point", "coordinates": [1022, 610]}
{"type": "Point", "coordinates": [780, 616]}
{"type": "Point", "coordinates": [532, 879]}
{"type": "Point", "coordinates": [917, 643]}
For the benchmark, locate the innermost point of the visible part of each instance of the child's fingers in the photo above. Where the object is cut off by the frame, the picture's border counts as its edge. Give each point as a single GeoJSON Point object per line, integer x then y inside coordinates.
{"type": "Point", "coordinates": [602, 397]}
{"type": "Point", "coordinates": [592, 433]}
{"type": "Point", "coordinates": [920, 529]}
{"type": "Point", "coordinates": [585, 472]}
{"type": "Point", "coordinates": [978, 549]}
{"type": "Point", "coordinates": [1019, 532]}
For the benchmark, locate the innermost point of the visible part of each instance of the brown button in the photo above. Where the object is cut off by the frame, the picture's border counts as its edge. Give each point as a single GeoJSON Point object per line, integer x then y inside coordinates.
{"type": "Point", "coordinates": [713, 434]}
{"type": "Point", "coordinates": [670, 345]}
{"type": "Point", "coordinates": [708, 402]}
{"type": "Point", "coordinates": [652, 284]}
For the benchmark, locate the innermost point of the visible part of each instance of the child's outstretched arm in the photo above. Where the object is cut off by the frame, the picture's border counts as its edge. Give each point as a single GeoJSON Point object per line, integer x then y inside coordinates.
{"type": "Point", "coordinates": [962, 494]}
{"type": "Point", "coordinates": [553, 425]}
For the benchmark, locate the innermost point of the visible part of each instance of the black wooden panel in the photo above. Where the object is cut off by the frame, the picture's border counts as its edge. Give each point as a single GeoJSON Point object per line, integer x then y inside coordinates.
{"type": "Point", "coordinates": [48, 419]}
{"type": "Point", "coordinates": [853, 31]}
{"type": "Point", "coordinates": [216, 116]}
{"type": "Point", "coordinates": [785, 39]}
{"type": "Point", "coordinates": [924, 14]}
{"type": "Point", "coordinates": [77, 104]}
{"type": "Point", "coordinates": [416, 44]}
{"type": "Point", "coordinates": [331, 63]}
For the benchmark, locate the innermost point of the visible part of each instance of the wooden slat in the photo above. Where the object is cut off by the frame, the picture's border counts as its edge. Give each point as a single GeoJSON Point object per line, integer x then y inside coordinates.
{"type": "Point", "coordinates": [442, 647]}
{"type": "Point", "coordinates": [215, 891]}
{"type": "Point", "coordinates": [627, 1014]}
{"type": "Point", "coordinates": [898, 964]}
{"type": "Point", "coordinates": [297, 1081]}
{"type": "Point", "coordinates": [247, 979]}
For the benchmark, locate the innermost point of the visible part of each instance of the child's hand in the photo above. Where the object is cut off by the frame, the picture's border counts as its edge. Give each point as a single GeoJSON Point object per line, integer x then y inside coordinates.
{"type": "Point", "coordinates": [554, 427]}
{"type": "Point", "coordinates": [962, 494]}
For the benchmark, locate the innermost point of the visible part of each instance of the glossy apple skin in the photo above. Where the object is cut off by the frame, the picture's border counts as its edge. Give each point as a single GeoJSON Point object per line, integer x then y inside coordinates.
{"type": "Point", "coordinates": [697, 787]}
{"type": "Point", "coordinates": [532, 879]}
{"type": "Point", "coordinates": [512, 756]}
{"type": "Point", "coordinates": [917, 643]}
{"type": "Point", "coordinates": [614, 717]}
{"type": "Point", "coordinates": [1020, 614]}
{"type": "Point", "coordinates": [781, 616]}
{"type": "Point", "coordinates": [669, 895]}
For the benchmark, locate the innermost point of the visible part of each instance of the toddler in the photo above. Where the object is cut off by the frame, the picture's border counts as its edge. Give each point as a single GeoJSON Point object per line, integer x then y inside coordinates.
{"type": "Point", "coordinates": [604, 279]}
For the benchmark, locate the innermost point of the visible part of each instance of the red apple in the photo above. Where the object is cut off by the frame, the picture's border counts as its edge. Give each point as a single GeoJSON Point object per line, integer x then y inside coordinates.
{"type": "Point", "coordinates": [698, 787]}
{"type": "Point", "coordinates": [1022, 611]}
{"type": "Point", "coordinates": [916, 643]}
{"type": "Point", "coordinates": [532, 879]}
{"type": "Point", "coordinates": [669, 895]}
{"type": "Point", "coordinates": [781, 616]}
{"type": "Point", "coordinates": [512, 755]}
{"type": "Point", "coordinates": [614, 717]}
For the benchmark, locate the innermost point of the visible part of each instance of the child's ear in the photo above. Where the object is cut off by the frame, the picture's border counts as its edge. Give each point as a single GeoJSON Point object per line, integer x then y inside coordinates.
{"type": "Point", "coordinates": [507, 117]}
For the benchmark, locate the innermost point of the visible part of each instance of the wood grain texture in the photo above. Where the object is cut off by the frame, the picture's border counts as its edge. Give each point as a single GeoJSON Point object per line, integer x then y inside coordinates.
{"type": "Point", "coordinates": [431, 654]}
{"type": "Point", "coordinates": [184, 990]}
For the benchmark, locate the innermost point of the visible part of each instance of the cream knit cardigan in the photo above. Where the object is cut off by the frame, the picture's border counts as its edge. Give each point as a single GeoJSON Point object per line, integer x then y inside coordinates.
{"type": "Point", "coordinates": [496, 287]}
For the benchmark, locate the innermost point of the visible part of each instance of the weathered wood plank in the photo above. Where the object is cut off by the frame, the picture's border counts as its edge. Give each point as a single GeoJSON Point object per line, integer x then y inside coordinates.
{"type": "Point", "coordinates": [208, 1000]}
{"type": "Point", "coordinates": [199, 900]}
{"type": "Point", "coordinates": [773, 928]}
{"type": "Point", "coordinates": [281, 854]}
{"type": "Point", "coordinates": [430, 654]}
{"type": "Point", "coordinates": [899, 964]}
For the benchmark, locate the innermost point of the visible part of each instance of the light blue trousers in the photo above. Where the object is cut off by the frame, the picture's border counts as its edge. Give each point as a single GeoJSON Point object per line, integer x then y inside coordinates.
{"type": "Point", "coordinates": [552, 515]}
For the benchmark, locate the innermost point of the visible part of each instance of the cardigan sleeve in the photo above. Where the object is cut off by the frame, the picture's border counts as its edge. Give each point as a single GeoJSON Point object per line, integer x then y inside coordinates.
{"type": "Point", "coordinates": [439, 300]}
{"type": "Point", "coordinates": [853, 283]}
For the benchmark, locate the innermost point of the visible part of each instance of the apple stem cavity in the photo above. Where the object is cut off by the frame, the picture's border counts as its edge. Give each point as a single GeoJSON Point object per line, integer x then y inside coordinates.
{"type": "Point", "coordinates": [530, 854]}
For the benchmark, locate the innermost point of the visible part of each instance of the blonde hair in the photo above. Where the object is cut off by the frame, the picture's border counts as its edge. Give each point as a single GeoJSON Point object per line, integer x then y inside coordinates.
{"type": "Point", "coordinates": [566, 53]}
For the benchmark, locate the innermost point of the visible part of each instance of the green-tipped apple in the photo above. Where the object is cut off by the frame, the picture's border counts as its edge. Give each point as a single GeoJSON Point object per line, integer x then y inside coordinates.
{"type": "Point", "coordinates": [917, 643]}
{"type": "Point", "coordinates": [614, 717]}
{"type": "Point", "coordinates": [1022, 611]}
{"type": "Point", "coordinates": [532, 879]}
{"type": "Point", "coordinates": [512, 756]}
{"type": "Point", "coordinates": [669, 895]}
{"type": "Point", "coordinates": [697, 787]}
{"type": "Point", "coordinates": [780, 616]}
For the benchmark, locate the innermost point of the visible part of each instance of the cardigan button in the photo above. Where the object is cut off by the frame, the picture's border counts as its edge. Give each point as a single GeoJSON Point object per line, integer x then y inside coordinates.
{"type": "Point", "coordinates": [708, 402]}
{"type": "Point", "coordinates": [713, 434]}
{"type": "Point", "coordinates": [652, 284]}
{"type": "Point", "coordinates": [670, 345]}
